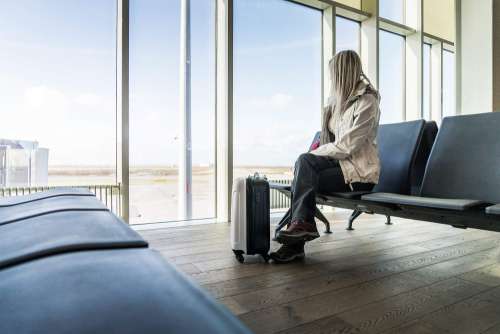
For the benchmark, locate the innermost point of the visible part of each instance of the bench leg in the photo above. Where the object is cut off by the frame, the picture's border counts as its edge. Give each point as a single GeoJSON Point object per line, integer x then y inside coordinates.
{"type": "Point", "coordinates": [355, 214]}
{"type": "Point", "coordinates": [318, 214]}
{"type": "Point", "coordinates": [388, 221]}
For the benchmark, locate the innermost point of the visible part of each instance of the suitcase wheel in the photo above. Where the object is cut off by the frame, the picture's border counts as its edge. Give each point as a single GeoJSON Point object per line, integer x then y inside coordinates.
{"type": "Point", "coordinates": [239, 256]}
{"type": "Point", "coordinates": [266, 257]}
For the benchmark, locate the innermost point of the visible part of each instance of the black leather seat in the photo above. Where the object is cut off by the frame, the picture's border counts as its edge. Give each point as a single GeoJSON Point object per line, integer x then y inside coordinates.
{"type": "Point", "coordinates": [463, 166]}
{"type": "Point", "coordinates": [423, 152]}
{"type": "Point", "coordinates": [493, 210]}
{"type": "Point", "coordinates": [107, 291]}
{"type": "Point", "coordinates": [397, 145]}
{"type": "Point", "coordinates": [64, 232]}
{"type": "Point", "coordinates": [430, 202]}
{"type": "Point", "coordinates": [280, 186]}
{"type": "Point", "coordinates": [56, 192]}
{"type": "Point", "coordinates": [26, 210]}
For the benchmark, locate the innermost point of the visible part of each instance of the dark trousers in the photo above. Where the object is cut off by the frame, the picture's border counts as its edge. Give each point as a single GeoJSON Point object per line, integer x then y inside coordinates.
{"type": "Point", "coordinates": [315, 174]}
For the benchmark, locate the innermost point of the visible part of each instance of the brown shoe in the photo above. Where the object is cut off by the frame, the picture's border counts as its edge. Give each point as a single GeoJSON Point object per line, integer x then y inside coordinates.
{"type": "Point", "coordinates": [298, 231]}
{"type": "Point", "coordinates": [288, 253]}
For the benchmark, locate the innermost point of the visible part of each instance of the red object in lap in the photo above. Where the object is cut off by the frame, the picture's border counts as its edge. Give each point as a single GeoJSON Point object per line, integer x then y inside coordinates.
{"type": "Point", "coordinates": [314, 145]}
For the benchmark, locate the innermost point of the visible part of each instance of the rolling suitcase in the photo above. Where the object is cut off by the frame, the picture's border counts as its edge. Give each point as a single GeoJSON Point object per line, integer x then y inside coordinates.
{"type": "Point", "coordinates": [250, 223]}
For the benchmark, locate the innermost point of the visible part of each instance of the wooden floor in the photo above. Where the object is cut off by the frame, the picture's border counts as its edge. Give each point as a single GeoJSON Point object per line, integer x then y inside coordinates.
{"type": "Point", "coordinates": [411, 277]}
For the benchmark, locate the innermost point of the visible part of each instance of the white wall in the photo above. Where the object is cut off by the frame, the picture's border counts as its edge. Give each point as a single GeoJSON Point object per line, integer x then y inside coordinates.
{"type": "Point", "coordinates": [477, 56]}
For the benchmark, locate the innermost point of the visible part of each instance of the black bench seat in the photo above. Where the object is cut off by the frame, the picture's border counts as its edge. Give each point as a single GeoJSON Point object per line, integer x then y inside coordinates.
{"type": "Point", "coordinates": [64, 232]}
{"type": "Point", "coordinates": [107, 291]}
{"type": "Point", "coordinates": [26, 210]}
{"type": "Point", "coordinates": [493, 210]}
{"type": "Point", "coordinates": [56, 192]}
{"type": "Point", "coordinates": [69, 265]}
{"type": "Point", "coordinates": [398, 146]}
{"type": "Point", "coordinates": [350, 194]}
{"type": "Point", "coordinates": [286, 189]}
{"type": "Point", "coordinates": [280, 186]}
{"type": "Point", "coordinates": [430, 202]}
{"type": "Point", "coordinates": [461, 178]}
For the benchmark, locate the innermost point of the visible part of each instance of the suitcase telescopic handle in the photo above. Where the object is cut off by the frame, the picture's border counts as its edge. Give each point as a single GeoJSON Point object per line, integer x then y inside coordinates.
{"type": "Point", "coordinates": [256, 175]}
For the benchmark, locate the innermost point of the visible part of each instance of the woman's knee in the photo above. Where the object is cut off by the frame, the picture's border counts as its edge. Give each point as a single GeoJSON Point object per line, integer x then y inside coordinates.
{"type": "Point", "coordinates": [304, 158]}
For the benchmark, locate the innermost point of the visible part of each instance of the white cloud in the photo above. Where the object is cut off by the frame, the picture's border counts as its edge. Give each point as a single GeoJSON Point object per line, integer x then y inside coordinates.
{"type": "Point", "coordinates": [45, 48]}
{"type": "Point", "coordinates": [89, 99]}
{"type": "Point", "coordinates": [45, 98]}
{"type": "Point", "coordinates": [278, 101]}
{"type": "Point", "coordinates": [281, 101]}
{"type": "Point", "coordinates": [288, 46]}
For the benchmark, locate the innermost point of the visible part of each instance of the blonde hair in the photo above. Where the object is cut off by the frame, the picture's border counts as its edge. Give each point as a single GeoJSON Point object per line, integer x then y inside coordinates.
{"type": "Point", "coordinates": [346, 73]}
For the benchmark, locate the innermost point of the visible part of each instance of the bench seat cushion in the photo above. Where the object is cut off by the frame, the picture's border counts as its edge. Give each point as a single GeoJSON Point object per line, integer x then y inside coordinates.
{"type": "Point", "coordinates": [350, 194]}
{"type": "Point", "coordinates": [64, 232]}
{"type": "Point", "coordinates": [440, 203]}
{"type": "Point", "coordinates": [63, 191]}
{"type": "Point", "coordinates": [280, 186]}
{"type": "Point", "coordinates": [107, 291]}
{"type": "Point", "coordinates": [347, 195]}
{"type": "Point", "coordinates": [49, 205]}
{"type": "Point", "coordinates": [493, 210]}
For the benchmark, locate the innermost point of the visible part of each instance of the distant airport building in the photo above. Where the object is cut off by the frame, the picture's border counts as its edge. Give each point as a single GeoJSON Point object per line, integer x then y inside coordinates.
{"type": "Point", "coordinates": [23, 164]}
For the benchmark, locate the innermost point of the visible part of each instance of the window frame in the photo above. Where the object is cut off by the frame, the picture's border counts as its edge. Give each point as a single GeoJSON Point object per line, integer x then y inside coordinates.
{"type": "Point", "coordinates": [371, 24]}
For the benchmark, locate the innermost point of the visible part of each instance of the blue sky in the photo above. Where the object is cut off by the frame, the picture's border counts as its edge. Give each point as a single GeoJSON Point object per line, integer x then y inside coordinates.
{"type": "Point", "coordinates": [58, 78]}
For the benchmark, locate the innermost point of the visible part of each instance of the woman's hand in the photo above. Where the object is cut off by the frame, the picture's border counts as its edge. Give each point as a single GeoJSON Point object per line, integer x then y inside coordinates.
{"type": "Point", "coordinates": [315, 145]}
{"type": "Point", "coordinates": [322, 150]}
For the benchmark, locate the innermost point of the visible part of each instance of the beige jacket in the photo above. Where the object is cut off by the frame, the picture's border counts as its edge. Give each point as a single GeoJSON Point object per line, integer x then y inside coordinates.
{"type": "Point", "coordinates": [350, 137]}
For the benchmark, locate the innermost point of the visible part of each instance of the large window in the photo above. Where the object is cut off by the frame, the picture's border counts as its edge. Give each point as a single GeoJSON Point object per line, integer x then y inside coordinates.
{"type": "Point", "coordinates": [277, 84]}
{"type": "Point", "coordinates": [347, 34]}
{"type": "Point", "coordinates": [448, 83]}
{"type": "Point", "coordinates": [58, 91]}
{"type": "Point", "coordinates": [426, 82]}
{"type": "Point", "coordinates": [155, 110]}
{"type": "Point", "coordinates": [392, 77]}
{"type": "Point", "coordinates": [392, 10]}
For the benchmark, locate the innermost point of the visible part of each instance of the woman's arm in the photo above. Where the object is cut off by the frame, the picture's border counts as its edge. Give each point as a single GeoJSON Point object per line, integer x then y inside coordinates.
{"type": "Point", "coordinates": [366, 118]}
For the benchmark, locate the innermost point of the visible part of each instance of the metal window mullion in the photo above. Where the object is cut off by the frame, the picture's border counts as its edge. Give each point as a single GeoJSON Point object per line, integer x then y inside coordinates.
{"type": "Point", "coordinates": [224, 107]}
{"type": "Point", "coordinates": [328, 47]}
{"type": "Point", "coordinates": [123, 102]}
{"type": "Point", "coordinates": [413, 68]}
{"type": "Point", "coordinates": [369, 41]}
{"type": "Point", "coordinates": [436, 79]}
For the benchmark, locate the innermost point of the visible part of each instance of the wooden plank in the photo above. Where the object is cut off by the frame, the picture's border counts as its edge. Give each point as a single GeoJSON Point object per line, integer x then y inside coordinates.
{"type": "Point", "coordinates": [219, 249]}
{"type": "Point", "coordinates": [355, 270]}
{"type": "Point", "coordinates": [473, 315]}
{"type": "Point", "coordinates": [458, 266]}
{"type": "Point", "coordinates": [313, 308]}
{"type": "Point", "coordinates": [377, 278]}
{"type": "Point", "coordinates": [193, 241]}
{"type": "Point", "coordinates": [383, 304]}
{"type": "Point", "coordinates": [229, 273]}
{"type": "Point", "coordinates": [407, 306]}
{"type": "Point", "coordinates": [316, 253]}
{"type": "Point", "coordinates": [489, 275]}
{"type": "Point", "coordinates": [275, 318]}
{"type": "Point", "coordinates": [355, 255]}
{"type": "Point", "coordinates": [188, 268]}
{"type": "Point", "coordinates": [492, 330]}
{"type": "Point", "coordinates": [418, 326]}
